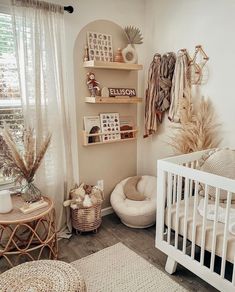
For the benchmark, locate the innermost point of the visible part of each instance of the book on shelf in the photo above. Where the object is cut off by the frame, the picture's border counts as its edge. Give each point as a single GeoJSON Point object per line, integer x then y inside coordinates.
{"type": "Point", "coordinates": [92, 126]}
{"type": "Point", "coordinates": [126, 124]}
{"type": "Point", "coordinates": [110, 126]}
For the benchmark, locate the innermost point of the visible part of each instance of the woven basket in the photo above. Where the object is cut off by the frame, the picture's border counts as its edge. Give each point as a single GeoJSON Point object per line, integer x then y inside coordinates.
{"type": "Point", "coordinates": [87, 219]}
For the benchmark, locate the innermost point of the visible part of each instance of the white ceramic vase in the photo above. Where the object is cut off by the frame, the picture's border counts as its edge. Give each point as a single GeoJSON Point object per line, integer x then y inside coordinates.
{"type": "Point", "coordinates": [129, 54]}
{"type": "Point", "coordinates": [5, 202]}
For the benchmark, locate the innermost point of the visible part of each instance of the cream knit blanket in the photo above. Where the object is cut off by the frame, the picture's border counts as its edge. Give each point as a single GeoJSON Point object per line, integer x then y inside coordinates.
{"type": "Point", "coordinates": [180, 89]}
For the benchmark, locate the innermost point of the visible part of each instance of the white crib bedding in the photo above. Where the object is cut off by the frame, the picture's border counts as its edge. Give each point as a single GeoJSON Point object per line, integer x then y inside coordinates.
{"type": "Point", "coordinates": [209, 229]}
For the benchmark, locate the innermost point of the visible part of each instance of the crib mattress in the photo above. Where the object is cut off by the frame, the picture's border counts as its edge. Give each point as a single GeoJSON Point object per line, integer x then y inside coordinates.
{"type": "Point", "coordinates": [209, 229]}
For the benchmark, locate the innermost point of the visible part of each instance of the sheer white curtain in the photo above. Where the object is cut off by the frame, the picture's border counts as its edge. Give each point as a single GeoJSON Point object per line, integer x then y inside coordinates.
{"type": "Point", "coordinates": [39, 34]}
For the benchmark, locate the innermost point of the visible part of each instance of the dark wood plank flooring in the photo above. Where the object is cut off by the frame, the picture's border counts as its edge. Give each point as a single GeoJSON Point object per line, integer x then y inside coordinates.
{"type": "Point", "coordinates": [141, 241]}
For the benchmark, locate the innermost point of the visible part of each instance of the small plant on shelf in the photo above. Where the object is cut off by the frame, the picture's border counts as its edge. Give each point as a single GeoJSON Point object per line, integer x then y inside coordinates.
{"type": "Point", "coordinates": [133, 36]}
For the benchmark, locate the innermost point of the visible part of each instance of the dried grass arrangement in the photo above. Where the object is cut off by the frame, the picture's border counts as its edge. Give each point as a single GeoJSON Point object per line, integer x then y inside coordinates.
{"type": "Point", "coordinates": [133, 35]}
{"type": "Point", "coordinates": [198, 132]}
{"type": "Point", "coordinates": [22, 164]}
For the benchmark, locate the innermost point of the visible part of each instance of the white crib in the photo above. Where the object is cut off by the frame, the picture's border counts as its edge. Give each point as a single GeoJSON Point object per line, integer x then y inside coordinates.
{"type": "Point", "coordinates": [204, 247]}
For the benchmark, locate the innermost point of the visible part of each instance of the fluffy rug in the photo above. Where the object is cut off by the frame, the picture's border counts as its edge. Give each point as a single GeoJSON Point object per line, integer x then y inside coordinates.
{"type": "Point", "coordinates": [117, 268]}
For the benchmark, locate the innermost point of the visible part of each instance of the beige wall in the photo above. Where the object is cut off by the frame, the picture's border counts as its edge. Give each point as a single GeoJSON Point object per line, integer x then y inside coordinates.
{"type": "Point", "coordinates": [110, 162]}
{"type": "Point", "coordinates": [172, 25]}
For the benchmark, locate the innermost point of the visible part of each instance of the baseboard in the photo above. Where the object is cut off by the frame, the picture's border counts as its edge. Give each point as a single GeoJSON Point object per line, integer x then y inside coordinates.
{"type": "Point", "coordinates": [106, 211]}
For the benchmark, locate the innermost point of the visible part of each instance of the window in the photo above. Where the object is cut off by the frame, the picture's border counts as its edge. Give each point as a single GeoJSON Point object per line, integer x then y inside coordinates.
{"type": "Point", "coordinates": [10, 101]}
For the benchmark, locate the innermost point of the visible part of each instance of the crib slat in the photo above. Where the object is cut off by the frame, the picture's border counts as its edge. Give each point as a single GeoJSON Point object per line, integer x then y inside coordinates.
{"type": "Point", "coordinates": [186, 198]}
{"type": "Point", "coordinates": [195, 204]}
{"type": "Point", "coordinates": [204, 226]}
{"type": "Point", "coordinates": [169, 199]}
{"type": "Point", "coordinates": [174, 189]}
{"type": "Point", "coordinates": [192, 164]}
{"type": "Point", "coordinates": [217, 197]}
{"type": "Point", "coordinates": [179, 190]}
{"type": "Point", "coordinates": [225, 239]}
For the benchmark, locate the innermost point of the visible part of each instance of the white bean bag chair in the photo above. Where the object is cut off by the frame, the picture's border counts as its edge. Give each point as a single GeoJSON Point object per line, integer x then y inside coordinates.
{"type": "Point", "coordinates": [136, 214]}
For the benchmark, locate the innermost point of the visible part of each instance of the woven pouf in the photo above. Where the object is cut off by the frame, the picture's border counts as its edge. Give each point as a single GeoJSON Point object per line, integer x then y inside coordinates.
{"type": "Point", "coordinates": [43, 276]}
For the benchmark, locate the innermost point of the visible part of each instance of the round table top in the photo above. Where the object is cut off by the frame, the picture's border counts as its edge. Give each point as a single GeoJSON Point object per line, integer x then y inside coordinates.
{"type": "Point", "coordinates": [42, 276]}
{"type": "Point", "coordinates": [15, 216]}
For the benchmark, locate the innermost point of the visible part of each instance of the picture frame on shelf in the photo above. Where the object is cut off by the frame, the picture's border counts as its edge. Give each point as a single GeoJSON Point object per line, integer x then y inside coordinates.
{"type": "Point", "coordinates": [110, 126]}
{"type": "Point", "coordinates": [92, 126]}
{"type": "Point", "coordinates": [121, 92]}
{"type": "Point", "coordinates": [100, 46]}
{"type": "Point", "coordinates": [127, 124]}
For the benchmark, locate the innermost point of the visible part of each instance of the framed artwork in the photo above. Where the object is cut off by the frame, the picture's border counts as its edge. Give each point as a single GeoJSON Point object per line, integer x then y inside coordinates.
{"type": "Point", "coordinates": [110, 126]}
{"type": "Point", "coordinates": [92, 126]}
{"type": "Point", "coordinates": [100, 46]}
{"type": "Point", "coordinates": [126, 123]}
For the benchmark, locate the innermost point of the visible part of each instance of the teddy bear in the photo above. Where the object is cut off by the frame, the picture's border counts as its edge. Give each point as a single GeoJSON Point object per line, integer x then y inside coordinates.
{"type": "Point", "coordinates": [77, 196]}
{"type": "Point", "coordinates": [84, 196]}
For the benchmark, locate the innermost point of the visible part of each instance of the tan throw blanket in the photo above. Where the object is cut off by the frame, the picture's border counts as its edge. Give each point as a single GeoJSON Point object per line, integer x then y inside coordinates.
{"type": "Point", "coordinates": [159, 90]}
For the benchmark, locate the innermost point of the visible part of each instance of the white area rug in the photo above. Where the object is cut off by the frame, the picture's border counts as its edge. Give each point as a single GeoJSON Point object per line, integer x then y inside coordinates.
{"type": "Point", "coordinates": [117, 268]}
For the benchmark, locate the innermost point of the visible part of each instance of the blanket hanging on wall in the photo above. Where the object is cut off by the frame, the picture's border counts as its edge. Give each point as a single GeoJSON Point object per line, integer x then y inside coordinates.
{"type": "Point", "coordinates": [158, 93]}
{"type": "Point", "coordinates": [180, 91]}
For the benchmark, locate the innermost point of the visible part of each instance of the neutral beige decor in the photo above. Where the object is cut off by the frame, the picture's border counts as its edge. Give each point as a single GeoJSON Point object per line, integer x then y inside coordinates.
{"type": "Point", "coordinates": [86, 219]}
{"type": "Point", "coordinates": [199, 131]}
{"type": "Point", "coordinates": [39, 233]}
{"type": "Point", "coordinates": [220, 162]}
{"type": "Point", "coordinates": [117, 268]}
{"type": "Point", "coordinates": [130, 189]}
{"type": "Point", "coordinates": [136, 214]}
{"type": "Point", "coordinates": [42, 276]}
{"type": "Point", "coordinates": [106, 161]}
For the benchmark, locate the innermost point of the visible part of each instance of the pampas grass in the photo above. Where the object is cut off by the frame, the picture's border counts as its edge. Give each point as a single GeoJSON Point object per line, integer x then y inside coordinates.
{"type": "Point", "coordinates": [21, 164]}
{"type": "Point", "coordinates": [199, 132]}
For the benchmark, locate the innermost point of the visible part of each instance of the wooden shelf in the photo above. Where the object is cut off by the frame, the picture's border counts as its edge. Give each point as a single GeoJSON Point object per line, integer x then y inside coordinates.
{"type": "Point", "coordinates": [111, 65]}
{"type": "Point", "coordinates": [114, 100]}
{"type": "Point", "coordinates": [109, 142]}
{"type": "Point", "coordinates": [86, 135]}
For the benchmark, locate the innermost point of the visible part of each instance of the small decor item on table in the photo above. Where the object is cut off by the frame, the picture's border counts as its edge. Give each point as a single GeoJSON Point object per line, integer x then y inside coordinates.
{"type": "Point", "coordinates": [85, 203]}
{"type": "Point", "coordinates": [31, 207]}
{"type": "Point", "coordinates": [118, 56]}
{"type": "Point", "coordinates": [110, 126]}
{"type": "Point", "coordinates": [92, 126]}
{"type": "Point", "coordinates": [100, 47]}
{"type": "Point", "coordinates": [22, 165]}
{"type": "Point", "coordinates": [93, 84]}
{"type": "Point", "coordinates": [134, 36]}
{"type": "Point", "coordinates": [5, 202]}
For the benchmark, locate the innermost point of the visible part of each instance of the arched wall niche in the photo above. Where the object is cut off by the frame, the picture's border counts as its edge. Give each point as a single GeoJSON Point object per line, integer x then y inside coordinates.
{"type": "Point", "coordinates": [110, 162]}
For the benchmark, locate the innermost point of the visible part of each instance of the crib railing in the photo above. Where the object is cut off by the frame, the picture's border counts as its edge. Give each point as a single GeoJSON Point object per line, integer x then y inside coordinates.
{"type": "Point", "coordinates": [179, 183]}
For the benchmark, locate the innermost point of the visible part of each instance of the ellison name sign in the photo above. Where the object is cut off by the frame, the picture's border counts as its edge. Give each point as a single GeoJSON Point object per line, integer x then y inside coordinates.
{"type": "Point", "coordinates": [121, 92]}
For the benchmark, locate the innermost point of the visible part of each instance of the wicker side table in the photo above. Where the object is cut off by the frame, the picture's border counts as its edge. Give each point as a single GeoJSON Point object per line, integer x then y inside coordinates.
{"type": "Point", "coordinates": [28, 234]}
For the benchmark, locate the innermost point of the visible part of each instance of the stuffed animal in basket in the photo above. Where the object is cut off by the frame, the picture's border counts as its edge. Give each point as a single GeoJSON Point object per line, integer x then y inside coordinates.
{"type": "Point", "coordinates": [84, 196]}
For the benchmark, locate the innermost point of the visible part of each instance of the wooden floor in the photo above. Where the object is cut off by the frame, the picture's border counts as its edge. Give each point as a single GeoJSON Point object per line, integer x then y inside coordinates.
{"type": "Point", "coordinates": [141, 241]}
